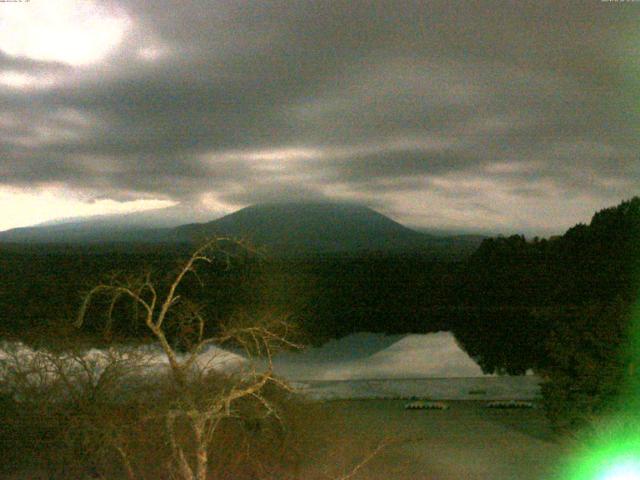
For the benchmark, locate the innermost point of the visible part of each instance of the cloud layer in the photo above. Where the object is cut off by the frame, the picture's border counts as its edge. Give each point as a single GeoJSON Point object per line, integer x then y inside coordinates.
{"type": "Point", "coordinates": [477, 115]}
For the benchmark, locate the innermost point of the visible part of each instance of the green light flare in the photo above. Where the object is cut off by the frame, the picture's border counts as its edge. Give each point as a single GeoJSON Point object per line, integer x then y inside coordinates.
{"type": "Point", "coordinates": [630, 398]}
{"type": "Point", "coordinates": [624, 470]}
{"type": "Point", "coordinates": [612, 450]}
{"type": "Point", "coordinates": [612, 454]}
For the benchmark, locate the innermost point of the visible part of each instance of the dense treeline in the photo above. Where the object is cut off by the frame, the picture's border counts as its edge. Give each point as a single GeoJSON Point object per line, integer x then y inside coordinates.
{"type": "Point", "coordinates": [518, 292]}
{"type": "Point", "coordinates": [563, 307]}
{"type": "Point", "coordinates": [331, 296]}
{"type": "Point", "coordinates": [41, 287]}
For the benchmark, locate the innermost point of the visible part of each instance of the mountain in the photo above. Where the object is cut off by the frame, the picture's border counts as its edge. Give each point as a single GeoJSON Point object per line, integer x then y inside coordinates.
{"type": "Point", "coordinates": [149, 226]}
{"type": "Point", "coordinates": [316, 228]}
{"type": "Point", "coordinates": [167, 217]}
{"type": "Point", "coordinates": [288, 229]}
{"type": "Point", "coordinates": [88, 232]}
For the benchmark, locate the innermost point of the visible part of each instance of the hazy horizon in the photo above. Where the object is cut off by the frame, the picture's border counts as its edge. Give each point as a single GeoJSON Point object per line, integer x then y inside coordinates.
{"type": "Point", "coordinates": [174, 216]}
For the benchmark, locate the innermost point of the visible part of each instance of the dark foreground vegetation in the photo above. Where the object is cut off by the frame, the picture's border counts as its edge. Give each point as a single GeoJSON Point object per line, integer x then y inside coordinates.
{"type": "Point", "coordinates": [560, 306]}
{"type": "Point", "coordinates": [125, 428]}
{"type": "Point", "coordinates": [69, 414]}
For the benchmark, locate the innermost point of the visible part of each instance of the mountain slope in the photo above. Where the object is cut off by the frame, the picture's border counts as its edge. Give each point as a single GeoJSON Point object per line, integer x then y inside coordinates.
{"type": "Point", "coordinates": [89, 232]}
{"type": "Point", "coordinates": [150, 226]}
{"type": "Point", "coordinates": [312, 228]}
{"type": "Point", "coordinates": [283, 228]}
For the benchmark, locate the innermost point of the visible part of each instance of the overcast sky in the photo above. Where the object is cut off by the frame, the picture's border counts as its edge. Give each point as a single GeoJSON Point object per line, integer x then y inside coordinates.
{"type": "Point", "coordinates": [496, 116]}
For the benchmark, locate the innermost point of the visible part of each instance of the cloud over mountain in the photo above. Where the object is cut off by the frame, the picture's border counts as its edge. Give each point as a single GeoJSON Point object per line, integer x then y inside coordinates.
{"type": "Point", "coordinates": [438, 113]}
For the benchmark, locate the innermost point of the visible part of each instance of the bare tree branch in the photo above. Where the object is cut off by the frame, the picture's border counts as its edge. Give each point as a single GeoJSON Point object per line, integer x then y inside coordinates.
{"type": "Point", "coordinates": [261, 336]}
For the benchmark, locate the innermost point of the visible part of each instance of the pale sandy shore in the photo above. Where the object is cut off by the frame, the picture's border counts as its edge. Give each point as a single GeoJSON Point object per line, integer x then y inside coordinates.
{"type": "Point", "coordinates": [465, 442]}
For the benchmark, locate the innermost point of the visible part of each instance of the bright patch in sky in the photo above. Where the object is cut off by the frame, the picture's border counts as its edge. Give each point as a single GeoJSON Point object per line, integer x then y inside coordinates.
{"type": "Point", "coordinates": [76, 33]}
{"type": "Point", "coordinates": [24, 208]}
{"type": "Point", "coordinates": [20, 80]}
{"type": "Point", "coordinates": [153, 53]}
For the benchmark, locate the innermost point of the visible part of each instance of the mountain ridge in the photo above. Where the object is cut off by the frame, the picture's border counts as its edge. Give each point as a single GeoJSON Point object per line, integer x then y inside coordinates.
{"type": "Point", "coordinates": [284, 228]}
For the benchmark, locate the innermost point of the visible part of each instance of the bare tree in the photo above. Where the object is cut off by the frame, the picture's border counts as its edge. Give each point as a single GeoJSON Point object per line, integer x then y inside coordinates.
{"type": "Point", "coordinates": [258, 337]}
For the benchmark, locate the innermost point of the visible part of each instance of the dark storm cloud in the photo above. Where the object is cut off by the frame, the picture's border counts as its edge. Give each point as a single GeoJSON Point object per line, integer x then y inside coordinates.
{"type": "Point", "coordinates": [251, 101]}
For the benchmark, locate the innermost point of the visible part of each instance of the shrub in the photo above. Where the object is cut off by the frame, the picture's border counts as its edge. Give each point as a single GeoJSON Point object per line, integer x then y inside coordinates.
{"type": "Point", "coordinates": [589, 364]}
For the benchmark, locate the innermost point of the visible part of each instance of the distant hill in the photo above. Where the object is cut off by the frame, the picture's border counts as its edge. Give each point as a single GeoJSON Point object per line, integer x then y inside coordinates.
{"type": "Point", "coordinates": [285, 229]}
{"type": "Point", "coordinates": [312, 228]}
{"type": "Point", "coordinates": [150, 226]}
{"type": "Point", "coordinates": [156, 218]}
{"type": "Point", "coordinates": [85, 232]}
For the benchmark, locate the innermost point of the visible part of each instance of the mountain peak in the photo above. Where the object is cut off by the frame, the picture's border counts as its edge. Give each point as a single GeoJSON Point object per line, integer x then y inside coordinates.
{"type": "Point", "coordinates": [310, 226]}
{"type": "Point", "coordinates": [308, 207]}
